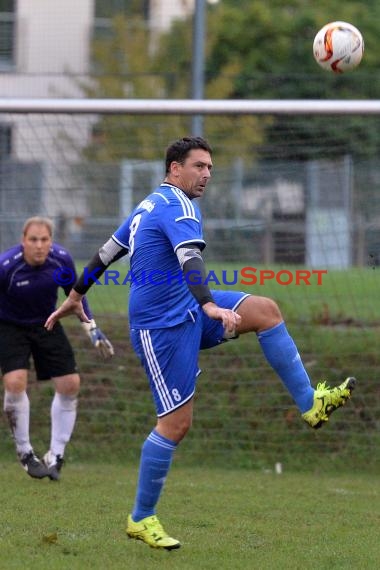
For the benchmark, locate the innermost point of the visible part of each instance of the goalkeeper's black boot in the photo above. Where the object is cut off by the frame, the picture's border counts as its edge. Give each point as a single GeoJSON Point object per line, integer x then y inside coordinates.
{"type": "Point", "coordinates": [33, 465]}
{"type": "Point", "coordinates": [54, 465]}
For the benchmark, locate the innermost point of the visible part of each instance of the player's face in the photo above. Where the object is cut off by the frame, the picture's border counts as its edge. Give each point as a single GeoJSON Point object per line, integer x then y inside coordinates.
{"type": "Point", "coordinates": [193, 174]}
{"type": "Point", "coordinates": [37, 243]}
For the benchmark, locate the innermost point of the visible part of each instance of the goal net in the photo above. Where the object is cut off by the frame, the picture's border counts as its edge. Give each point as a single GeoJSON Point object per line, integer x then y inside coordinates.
{"type": "Point", "coordinates": [292, 212]}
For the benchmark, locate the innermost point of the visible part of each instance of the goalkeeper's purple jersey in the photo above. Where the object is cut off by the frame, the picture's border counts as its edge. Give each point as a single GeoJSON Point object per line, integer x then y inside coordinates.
{"type": "Point", "coordinates": [28, 294]}
{"type": "Point", "coordinates": [166, 220]}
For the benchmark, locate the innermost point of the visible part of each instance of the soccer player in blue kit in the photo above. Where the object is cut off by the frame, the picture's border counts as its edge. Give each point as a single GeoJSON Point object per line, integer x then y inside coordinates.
{"type": "Point", "coordinates": [28, 294]}
{"type": "Point", "coordinates": [172, 316]}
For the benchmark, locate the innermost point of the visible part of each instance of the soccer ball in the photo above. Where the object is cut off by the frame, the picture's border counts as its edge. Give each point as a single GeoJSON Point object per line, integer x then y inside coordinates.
{"type": "Point", "coordinates": [338, 47]}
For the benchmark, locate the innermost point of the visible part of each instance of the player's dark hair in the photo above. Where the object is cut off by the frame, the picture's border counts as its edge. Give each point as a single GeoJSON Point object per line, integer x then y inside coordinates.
{"type": "Point", "coordinates": [178, 150]}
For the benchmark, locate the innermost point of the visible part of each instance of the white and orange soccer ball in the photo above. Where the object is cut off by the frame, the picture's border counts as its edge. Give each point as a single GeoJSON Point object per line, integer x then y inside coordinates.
{"type": "Point", "coordinates": [338, 47]}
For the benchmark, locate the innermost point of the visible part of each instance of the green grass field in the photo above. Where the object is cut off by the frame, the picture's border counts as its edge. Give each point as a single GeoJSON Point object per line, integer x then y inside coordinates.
{"type": "Point", "coordinates": [225, 519]}
{"type": "Point", "coordinates": [223, 499]}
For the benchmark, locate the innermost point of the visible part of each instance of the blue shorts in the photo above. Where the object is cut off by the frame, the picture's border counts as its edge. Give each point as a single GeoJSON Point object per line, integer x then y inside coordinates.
{"type": "Point", "coordinates": [170, 356]}
{"type": "Point", "coordinates": [212, 331]}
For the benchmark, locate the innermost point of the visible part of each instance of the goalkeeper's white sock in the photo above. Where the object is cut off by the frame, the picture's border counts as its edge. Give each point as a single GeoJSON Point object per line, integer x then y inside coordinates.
{"type": "Point", "coordinates": [17, 409]}
{"type": "Point", "coordinates": [63, 416]}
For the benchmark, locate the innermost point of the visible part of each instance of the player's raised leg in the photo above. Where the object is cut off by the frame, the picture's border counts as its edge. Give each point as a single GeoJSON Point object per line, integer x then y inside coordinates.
{"type": "Point", "coordinates": [262, 315]}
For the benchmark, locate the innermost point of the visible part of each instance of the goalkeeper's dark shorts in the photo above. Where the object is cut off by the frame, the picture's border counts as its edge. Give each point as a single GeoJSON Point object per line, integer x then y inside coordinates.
{"type": "Point", "coordinates": [51, 351]}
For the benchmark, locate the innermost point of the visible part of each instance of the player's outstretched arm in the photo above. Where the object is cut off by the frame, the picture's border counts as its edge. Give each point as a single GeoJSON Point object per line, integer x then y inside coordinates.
{"type": "Point", "coordinates": [107, 254]}
{"type": "Point", "coordinates": [71, 306]}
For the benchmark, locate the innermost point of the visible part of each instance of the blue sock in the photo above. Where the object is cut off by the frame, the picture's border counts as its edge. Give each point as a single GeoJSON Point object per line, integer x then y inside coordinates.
{"type": "Point", "coordinates": [282, 354]}
{"type": "Point", "coordinates": [156, 457]}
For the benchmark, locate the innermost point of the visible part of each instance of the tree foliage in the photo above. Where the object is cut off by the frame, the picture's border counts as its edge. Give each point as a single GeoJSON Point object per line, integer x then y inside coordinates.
{"type": "Point", "coordinates": [271, 46]}
{"type": "Point", "coordinates": [254, 50]}
{"type": "Point", "coordinates": [124, 70]}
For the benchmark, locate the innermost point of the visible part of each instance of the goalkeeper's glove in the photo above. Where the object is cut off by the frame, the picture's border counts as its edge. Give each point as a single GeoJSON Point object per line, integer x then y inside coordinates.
{"type": "Point", "coordinates": [98, 339]}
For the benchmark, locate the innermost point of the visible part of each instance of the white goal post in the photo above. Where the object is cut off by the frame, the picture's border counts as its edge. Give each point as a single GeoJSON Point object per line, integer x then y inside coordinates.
{"type": "Point", "coordinates": [193, 106]}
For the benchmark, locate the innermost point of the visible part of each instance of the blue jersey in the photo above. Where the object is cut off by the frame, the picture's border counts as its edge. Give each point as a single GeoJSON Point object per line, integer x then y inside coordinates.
{"type": "Point", "coordinates": [28, 293]}
{"type": "Point", "coordinates": [166, 220]}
